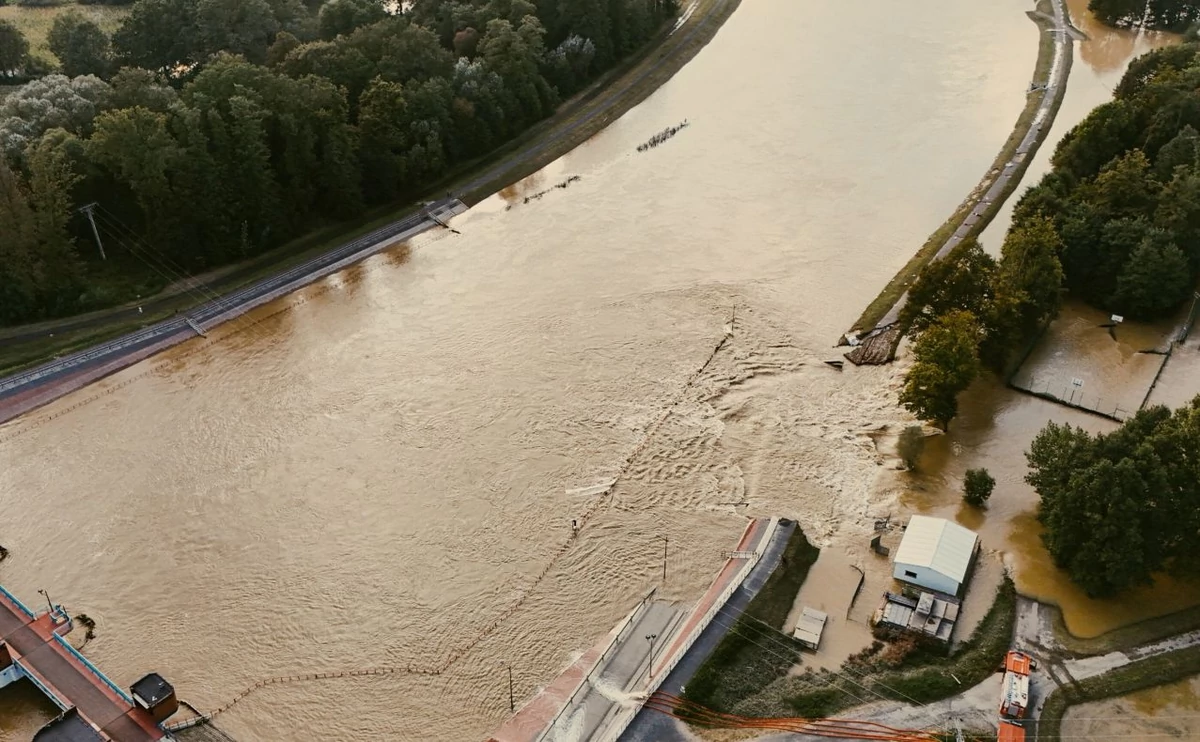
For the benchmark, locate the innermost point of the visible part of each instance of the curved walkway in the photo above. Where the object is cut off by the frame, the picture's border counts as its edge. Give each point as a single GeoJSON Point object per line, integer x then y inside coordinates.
{"type": "Point", "coordinates": [1006, 177]}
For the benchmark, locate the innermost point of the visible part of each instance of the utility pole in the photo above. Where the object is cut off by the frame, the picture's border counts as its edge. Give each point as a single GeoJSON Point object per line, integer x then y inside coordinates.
{"type": "Point", "coordinates": [95, 232]}
{"type": "Point", "coordinates": [665, 541]}
{"type": "Point", "coordinates": [512, 701]}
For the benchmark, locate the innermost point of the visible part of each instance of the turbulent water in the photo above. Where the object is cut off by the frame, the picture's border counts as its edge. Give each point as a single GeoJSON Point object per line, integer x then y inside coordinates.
{"type": "Point", "coordinates": [382, 469]}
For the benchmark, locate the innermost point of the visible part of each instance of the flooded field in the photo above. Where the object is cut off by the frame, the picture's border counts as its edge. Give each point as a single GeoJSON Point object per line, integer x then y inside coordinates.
{"type": "Point", "coordinates": [1087, 360]}
{"type": "Point", "coordinates": [1167, 712]}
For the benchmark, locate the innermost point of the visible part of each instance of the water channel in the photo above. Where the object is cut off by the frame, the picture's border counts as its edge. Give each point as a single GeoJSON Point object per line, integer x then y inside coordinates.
{"type": "Point", "coordinates": [377, 469]}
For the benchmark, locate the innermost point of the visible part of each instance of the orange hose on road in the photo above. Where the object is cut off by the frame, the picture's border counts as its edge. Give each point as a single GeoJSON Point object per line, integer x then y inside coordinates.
{"type": "Point", "coordinates": [689, 711]}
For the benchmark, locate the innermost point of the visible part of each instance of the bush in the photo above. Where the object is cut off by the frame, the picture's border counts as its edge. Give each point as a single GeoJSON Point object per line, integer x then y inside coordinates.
{"type": "Point", "coordinates": [910, 445]}
{"type": "Point", "coordinates": [977, 487]}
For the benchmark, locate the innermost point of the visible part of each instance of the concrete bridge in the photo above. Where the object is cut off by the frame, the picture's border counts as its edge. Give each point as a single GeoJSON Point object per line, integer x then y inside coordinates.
{"type": "Point", "coordinates": [94, 708]}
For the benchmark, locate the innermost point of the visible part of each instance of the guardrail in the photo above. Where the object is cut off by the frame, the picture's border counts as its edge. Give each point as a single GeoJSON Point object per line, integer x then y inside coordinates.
{"type": "Point", "coordinates": [614, 730]}
{"type": "Point", "coordinates": [219, 305]}
{"type": "Point", "coordinates": [17, 602]}
{"type": "Point", "coordinates": [28, 672]}
{"type": "Point", "coordinates": [716, 607]}
{"type": "Point", "coordinates": [94, 670]}
{"type": "Point", "coordinates": [585, 685]}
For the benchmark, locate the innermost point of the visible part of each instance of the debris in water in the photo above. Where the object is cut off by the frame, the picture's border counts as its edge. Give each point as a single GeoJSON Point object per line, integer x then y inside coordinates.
{"type": "Point", "coordinates": [662, 136]}
{"type": "Point", "coordinates": [539, 194]}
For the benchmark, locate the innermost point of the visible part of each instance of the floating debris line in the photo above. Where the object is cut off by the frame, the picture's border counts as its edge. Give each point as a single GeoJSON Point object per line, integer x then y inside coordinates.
{"type": "Point", "coordinates": [662, 136]}
{"type": "Point", "coordinates": [539, 194]}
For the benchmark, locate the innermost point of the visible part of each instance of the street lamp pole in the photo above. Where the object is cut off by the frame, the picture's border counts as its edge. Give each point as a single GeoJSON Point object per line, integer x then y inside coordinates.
{"type": "Point", "coordinates": [650, 638]}
{"type": "Point", "coordinates": [46, 595]}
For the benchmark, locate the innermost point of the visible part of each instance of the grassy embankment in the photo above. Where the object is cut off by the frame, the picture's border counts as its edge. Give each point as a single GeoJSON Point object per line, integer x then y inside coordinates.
{"type": "Point", "coordinates": [751, 655]}
{"type": "Point", "coordinates": [1124, 637]}
{"type": "Point", "coordinates": [922, 674]}
{"type": "Point", "coordinates": [577, 120]}
{"type": "Point", "coordinates": [35, 22]}
{"type": "Point", "coordinates": [1147, 673]}
{"type": "Point", "coordinates": [891, 293]}
{"type": "Point", "coordinates": [748, 671]}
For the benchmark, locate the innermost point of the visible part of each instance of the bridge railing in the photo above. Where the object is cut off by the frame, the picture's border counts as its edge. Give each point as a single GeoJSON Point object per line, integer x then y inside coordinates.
{"type": "Point", "coordinates": [718, 604]}
{"type": "Point", "coordinates": [62, 703]}
{"type": "Point", "coordinates": [17, 602]}
{"type": "Point", "coordinates": [93, 669]}
{"type": "Point", "coordinates": [585, 685]}
{"type": "Point", "coordinates": [213, 308]}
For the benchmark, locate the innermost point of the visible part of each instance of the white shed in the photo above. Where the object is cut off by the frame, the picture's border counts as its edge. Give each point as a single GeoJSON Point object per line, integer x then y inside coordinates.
{"type": "Point", "coordinates": [935, 554]}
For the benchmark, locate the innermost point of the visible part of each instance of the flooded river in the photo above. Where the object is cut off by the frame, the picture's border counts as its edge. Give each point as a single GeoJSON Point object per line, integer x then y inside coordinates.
{"type": "Point", "coordinates": [382, 469]}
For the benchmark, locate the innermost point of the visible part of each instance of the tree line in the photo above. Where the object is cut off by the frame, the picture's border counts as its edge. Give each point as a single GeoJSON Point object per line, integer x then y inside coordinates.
{"type": "Point", "coordinates": [211, 130]}
{"type": "Point", "coordinates": [1120, 507]}
{"type": "Point", "coordinates": [1172, 15]}
{"type": "Point", "coordinates": [1116, 222]}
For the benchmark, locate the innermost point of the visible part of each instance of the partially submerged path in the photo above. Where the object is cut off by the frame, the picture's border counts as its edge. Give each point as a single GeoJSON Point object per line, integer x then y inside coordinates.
{"type": "Point", "coordinates": [118, 338]}
{"type": "Point", "coordinates": [984, 202]}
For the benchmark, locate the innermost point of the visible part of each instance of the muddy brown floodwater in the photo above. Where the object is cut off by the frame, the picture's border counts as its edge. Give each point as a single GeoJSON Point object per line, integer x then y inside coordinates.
{"type": "Point", "coordinates": [1169, 711]}
{"type": "Point", "coordinates": [382, 469]}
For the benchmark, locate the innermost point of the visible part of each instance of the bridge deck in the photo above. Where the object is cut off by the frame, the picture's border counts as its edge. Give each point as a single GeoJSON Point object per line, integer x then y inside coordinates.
{"type": "Point", "coordinates": [67, 679]}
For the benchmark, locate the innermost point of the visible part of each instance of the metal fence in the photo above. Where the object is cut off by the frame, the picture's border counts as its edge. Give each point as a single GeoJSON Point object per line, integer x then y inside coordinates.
{"type": "Point", "coordinates": [289, 280]}
{"type": "Point", "coordinates": [94, 670]}
{"type": "Point", "coordinates": [16, 601]}
{"type": "Point", "coordinates": [1069, 395]}
{"type": "Point", "coordinates": [585, 685]}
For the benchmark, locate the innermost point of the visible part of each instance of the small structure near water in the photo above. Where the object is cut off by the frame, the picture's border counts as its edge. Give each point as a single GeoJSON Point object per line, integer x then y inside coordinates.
{"type": "Point", "coordinates": [936, 554]}
{"type": "Point", "coordinates": [929, 614]}
{"type": "Point", "coordinates": [810, 627]}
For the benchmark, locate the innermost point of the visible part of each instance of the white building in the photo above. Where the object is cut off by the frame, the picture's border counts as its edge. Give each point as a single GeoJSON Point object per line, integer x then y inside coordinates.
{"type": "Point", "coordinates": [935, 554]}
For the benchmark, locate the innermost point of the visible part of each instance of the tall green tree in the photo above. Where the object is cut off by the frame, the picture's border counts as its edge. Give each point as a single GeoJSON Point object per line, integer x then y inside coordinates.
{"type": "Point", "coordinates": [1026, 286]}
{"type": "Point", "coordinates": [245, 27]}
{"type": "Point", "coordinates": [159, 35]}
{"type": "Point", "coordinates": [1118, 508]}
{"type": "Point", "coordinates": [946, 362]}
{"type": "Point", "coordinates": [14, 49]}
{"type": "Point", "coordinates": [961, 280]}
{"type": "Point", "coordinates": [339, 17]}
{"type": "Point", "coordinates": [80, 45]}
{"type": "Point", "coordinates": [1155, 280]}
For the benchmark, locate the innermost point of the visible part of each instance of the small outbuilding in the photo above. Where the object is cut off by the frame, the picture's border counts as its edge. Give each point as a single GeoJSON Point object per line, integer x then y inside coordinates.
{"type": "Point", "coordinates": [936, 554]}
{"type": "Point", "coordinates": [810, 627]}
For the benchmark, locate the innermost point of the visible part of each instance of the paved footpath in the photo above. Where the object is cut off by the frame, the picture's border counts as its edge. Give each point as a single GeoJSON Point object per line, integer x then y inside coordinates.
{"type": "Point", "coordinates": [652, 726]}
{"type": "Point", "coordinates": [600, 694]}
{"type": "Point", "coordinates": [987, 206]}
{"type": "Point", "coordinates": [27, 390]}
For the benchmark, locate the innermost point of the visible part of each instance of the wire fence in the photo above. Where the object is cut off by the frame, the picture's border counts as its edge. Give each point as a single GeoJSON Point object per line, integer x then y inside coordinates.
{"type": "Point", "coordinates": [1070, 395]}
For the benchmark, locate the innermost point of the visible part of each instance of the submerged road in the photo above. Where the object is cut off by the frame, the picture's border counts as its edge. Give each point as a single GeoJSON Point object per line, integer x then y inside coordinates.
{"type": "Point", "coordinates": [18, 392]}
{"type": "Point", "coordinates": [989, 204]}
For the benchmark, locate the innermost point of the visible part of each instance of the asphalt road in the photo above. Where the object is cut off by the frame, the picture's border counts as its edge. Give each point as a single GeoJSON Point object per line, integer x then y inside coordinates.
{"type": "Point", "coordinates": [214, 311]}
{"type": "Point", "coordinates": [652, 726]}
{"type": "Point", "coordinates": [985, 208]}
{"type": "Point", "coordinates": [618, 677]}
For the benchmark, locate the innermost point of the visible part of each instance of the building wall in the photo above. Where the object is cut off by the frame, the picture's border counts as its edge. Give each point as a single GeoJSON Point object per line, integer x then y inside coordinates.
{"type": "Point", "coordinates": [925, 577]}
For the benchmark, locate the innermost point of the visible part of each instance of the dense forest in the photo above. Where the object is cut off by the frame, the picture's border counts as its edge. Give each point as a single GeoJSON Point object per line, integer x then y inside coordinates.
{"type": "Point", "coordinates": [1121, 506]}
{"type": "Point", "coordinates": [207, 131]}
{"type": "Point", "coordinates": [1124, 194]}
{"type": "Point", "coordinates": [1116, 222]}
{"type": "Point", "coordinates": [1173, 15]}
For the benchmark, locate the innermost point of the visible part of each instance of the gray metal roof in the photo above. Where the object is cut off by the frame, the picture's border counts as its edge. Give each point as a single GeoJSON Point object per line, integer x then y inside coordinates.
{"type": "Point", "coordinates": [937, 544]}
